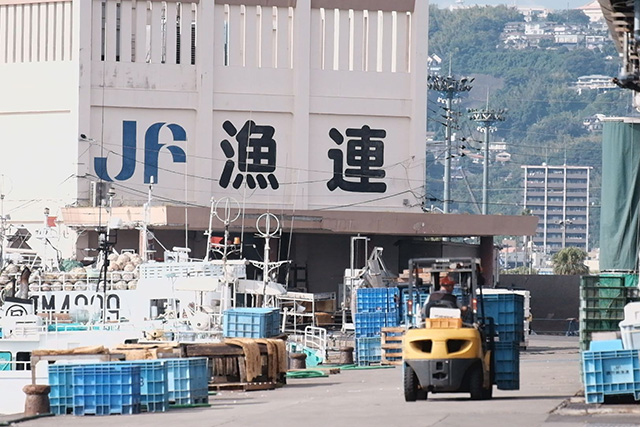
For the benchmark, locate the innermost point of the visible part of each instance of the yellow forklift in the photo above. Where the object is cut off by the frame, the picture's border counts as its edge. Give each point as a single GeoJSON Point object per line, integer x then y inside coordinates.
{"type": "Point", "coordinates": [451, 349]}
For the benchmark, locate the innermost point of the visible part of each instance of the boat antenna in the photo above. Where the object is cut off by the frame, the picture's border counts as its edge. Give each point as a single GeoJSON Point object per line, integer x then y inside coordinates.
{"type": "Point", "coordinates": [244, 207]}
{"type": "Point", "coordinates": [106, 243]}
{"type": "Point", "coordinates": [145, 223]}
{"type": "Point", "coordinates": [293, 215]}
{"type": "Point", "coordinates": [209, 232]}
{"type": "Point", "coordinates": [3, 223]}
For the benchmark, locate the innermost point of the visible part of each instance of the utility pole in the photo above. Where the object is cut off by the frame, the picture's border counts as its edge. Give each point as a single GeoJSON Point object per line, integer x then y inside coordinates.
{"type": "Point", "coordinates": [449, 88]}
{"type": "Point", "coordinates": [486, 118]}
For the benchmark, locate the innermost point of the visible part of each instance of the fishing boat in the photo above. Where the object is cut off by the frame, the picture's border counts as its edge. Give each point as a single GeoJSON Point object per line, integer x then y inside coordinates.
{"type": "Point", "coordinates": [123, 299]}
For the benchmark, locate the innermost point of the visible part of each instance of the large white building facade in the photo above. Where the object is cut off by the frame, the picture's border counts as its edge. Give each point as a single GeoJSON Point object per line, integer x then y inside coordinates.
{"type": "Point", "coordinates": [281, 104]}
{"type": "Point", "coordinates": [314, 110]}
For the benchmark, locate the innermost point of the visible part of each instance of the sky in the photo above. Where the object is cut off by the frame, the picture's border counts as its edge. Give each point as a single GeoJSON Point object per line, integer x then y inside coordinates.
{"type": "Point", "coordinates": [549, 4]}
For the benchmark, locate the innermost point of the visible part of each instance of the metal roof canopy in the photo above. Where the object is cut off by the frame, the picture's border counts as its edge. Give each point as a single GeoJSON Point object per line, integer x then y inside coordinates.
{"type": "Point", "coordinates": [338, 222]}
{"type": "Point", "coordinates": [619, 17]}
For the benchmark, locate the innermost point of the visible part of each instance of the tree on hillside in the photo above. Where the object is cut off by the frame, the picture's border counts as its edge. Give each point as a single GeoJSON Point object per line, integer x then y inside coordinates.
{"type": "Point", "coordinates": [570, 261]}
{"type": "Point", "coordinates": [573, 16]}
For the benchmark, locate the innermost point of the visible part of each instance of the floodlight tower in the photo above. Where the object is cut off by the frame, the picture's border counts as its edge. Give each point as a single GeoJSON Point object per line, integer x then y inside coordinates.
{"type": "Point", "coordinates": [449, 89]}
{"type": "Point", "coordinates": [485, 119]}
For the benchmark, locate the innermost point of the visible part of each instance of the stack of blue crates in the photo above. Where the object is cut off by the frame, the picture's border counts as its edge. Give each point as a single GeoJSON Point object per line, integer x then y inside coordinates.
{"type": "Point", "coordinates": [188, 381]}
{"type": "Point", "coordinates": [377, 308]}
{"type": "Point", "coordinates": [248, 322]}
{"type": "Point", "coordinates": [506, 357]}
{"type": "Point", "coordinates": [419, 299]}
{"type": "Point", "coordinates": [61, 394]}
{"type": "Point", "coordinates": [507, 312]}
{"type": "Point", "coordinates": [104, 389]}
{"type": "Point", "coordinates": [608, 370]}
{"type": "Point", "coordinates": [154, 384]}
{"type": "Point", "coordinates": [127, 387]}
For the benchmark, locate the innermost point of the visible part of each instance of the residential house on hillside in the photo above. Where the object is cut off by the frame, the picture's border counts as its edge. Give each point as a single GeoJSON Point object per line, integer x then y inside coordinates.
{"type": "Point", "coordinates": [530, 33]}
{"type": "Point", "coordinates": [598, 82]}
{"type": "Point", "coordinates": [533, 13]}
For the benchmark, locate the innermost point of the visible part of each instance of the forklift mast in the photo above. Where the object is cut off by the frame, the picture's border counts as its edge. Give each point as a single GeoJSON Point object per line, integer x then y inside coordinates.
{"type": "Point", "coordinates": [464, 271]}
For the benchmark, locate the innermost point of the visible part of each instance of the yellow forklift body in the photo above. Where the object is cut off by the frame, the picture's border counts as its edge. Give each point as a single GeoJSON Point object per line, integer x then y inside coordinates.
{"type": "Point", "coordinates": [461, 343]}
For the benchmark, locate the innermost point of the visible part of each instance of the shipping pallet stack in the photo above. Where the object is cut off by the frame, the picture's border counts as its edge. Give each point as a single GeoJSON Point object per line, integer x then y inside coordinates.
{"type": "Point", "coordinates": [391, 346]}
{"type": "Point", "coordinates": [252, 357]}
{"type": "Point", "coordinates": [376, 309]}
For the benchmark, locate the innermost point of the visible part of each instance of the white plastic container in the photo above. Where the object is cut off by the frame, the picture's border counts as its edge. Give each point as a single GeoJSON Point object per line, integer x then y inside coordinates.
{"type": "Point", "coordinates": [632, 312]}
{"type": "Point", "coordinates": [630, 335]}
{"type": "Point", "coordinates": [630, 326]}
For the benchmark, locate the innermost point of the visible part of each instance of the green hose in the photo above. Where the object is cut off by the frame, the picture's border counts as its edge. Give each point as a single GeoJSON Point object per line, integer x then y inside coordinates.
{"type": "Point", "coordinates": [306, 374]}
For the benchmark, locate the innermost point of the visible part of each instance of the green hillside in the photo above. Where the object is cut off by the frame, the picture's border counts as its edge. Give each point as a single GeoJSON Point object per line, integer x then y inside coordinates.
{"type": "Point", "coordinates": [544, 122]}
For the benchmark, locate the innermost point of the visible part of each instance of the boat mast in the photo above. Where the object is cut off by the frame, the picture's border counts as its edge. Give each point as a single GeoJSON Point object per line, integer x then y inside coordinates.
{"type": "Point", "coordinates": [268, 226]}
{"type": "Point", "coordinates": [223, 210]}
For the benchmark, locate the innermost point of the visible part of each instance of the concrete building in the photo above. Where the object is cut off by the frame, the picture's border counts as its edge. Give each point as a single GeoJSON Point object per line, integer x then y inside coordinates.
{"type": "Point", "coordinates": [559, 197]}
{"type": "Point", "coordinates": [313, 110]}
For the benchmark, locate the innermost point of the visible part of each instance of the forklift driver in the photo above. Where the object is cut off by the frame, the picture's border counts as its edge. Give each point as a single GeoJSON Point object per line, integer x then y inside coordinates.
{"type": "Point", "coordinates": [442, 298]}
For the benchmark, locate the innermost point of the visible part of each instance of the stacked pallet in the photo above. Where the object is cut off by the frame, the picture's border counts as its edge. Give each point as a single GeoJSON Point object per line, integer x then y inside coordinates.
{"type": "Point", "coordinates": [244, 363]}
{"type": "Point", "coordinates": [391, 346]}
{"type": "Point", "coordinates": [422, 273]}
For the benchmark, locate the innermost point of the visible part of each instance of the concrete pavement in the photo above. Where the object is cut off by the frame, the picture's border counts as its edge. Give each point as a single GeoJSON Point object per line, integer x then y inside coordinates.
{"type": "Point", "coordinates": [549, 383]}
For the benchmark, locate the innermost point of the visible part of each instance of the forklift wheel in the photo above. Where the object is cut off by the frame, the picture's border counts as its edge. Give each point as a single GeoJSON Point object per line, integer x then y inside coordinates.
{"type": "Point", "coordinates": [410, 384]}
{"type": "Point", "coordinates": [487, 393]}
{"type": "Point", "coordinates": [475, 384]}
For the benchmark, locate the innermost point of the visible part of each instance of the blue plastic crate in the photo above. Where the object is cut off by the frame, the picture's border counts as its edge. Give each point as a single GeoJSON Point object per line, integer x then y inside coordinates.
{"type": "Point", "coordinates": [606, 345]}
{"type": "Point", "coordinates": [610, 373]}
{"type": "Point", "coordinates": [507, 311]}
{"type": "Point", "coordinates": [61, 394]}
{"type": "Point", "coordinates": [188, 381]}
{"type": "Point", "coordinates": [507, 365]}
{"type": "Point", "coordinates": [251, 322]}
{"type": "Point", "coordinates": [392, 319]}
{"type": "Point", "coordinates": [154, 384]}
{"type": "Point", "coordinates": [368, 350]}
{"type": "Point", "coordinates": [106, 388]}
{"type": "Point", "coordinates": [371, 300]}
{"type": "Point", "coordinates": [369, 324]}
{"type": "Point", "coordinates": [419, 299]}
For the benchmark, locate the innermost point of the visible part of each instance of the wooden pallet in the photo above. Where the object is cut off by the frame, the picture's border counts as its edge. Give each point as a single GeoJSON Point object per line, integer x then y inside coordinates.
{"type": "Point", "coordinates": [391, 346]}
{"type": "Point", "coordinates": [242, 386]}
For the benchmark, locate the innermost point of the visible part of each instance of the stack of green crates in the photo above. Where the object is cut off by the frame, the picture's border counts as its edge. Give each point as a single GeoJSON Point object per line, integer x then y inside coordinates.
{"type": "Point", "coordinates": [602, 301]}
